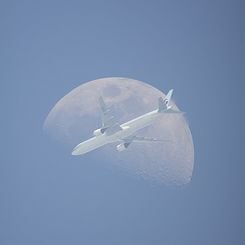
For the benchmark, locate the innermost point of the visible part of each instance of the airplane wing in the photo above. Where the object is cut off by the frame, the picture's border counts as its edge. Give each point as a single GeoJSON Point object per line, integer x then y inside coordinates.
{"type": "Point", "coordinates": [143, 139]}
{"type": "Point", "coordinates": [107, 118]}
{"type": "Point", "coordinates": [147, 139]}
{"type": "Point", "coordinates": [127, 141]}
{"type": "Point", "coordinates": [109, 124]}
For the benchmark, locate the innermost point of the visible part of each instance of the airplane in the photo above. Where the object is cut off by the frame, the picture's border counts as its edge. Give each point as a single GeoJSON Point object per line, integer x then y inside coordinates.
{"type": "Point", "coordinates": [111, 131]}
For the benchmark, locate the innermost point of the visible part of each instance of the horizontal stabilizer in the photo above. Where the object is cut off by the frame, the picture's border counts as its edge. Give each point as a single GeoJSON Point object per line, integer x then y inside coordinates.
{"type": "Point", "coordinates": [175, 111]}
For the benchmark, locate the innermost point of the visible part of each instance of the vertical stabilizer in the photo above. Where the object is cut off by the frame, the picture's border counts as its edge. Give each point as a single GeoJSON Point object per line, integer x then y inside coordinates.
{"type": "Point", "coordinates": [164, 104]}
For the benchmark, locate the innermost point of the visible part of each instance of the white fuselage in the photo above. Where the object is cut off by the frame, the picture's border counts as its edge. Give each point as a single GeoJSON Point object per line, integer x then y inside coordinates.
{"type": "Point", "coordinates": [128, 129]}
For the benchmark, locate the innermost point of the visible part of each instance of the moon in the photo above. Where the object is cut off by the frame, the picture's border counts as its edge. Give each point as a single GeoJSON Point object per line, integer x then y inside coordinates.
{"type": "Point", "coordinates": [77, 115]}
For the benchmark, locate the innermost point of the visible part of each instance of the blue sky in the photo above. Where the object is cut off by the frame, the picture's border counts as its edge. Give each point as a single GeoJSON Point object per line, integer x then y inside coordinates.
{"type": "Point", "coordinates": [51, 47]}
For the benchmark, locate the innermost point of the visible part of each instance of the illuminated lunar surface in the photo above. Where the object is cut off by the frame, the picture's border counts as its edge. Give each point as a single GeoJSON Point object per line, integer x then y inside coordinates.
{"type": "Point", "coordinates": [74, 118]}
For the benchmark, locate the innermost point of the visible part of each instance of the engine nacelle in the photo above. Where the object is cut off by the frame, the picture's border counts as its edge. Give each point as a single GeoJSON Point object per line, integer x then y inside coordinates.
{"type": "Point", "coordinates": [98, 132]}
{"type": "Point", "coordinates": [121, 147]}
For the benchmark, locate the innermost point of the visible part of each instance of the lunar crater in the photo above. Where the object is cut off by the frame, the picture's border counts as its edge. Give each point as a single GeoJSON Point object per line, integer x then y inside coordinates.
{"type": "Point", "coordinates": [111, 91]}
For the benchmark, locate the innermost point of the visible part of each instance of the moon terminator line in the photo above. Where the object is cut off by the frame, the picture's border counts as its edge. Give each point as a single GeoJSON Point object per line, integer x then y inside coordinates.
{"type": "Point", "coordinates": [77, 114]}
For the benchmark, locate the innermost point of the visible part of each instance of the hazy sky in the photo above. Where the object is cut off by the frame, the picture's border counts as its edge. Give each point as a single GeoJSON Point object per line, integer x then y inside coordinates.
{"type": "Point", "coordinates": [51, 47]}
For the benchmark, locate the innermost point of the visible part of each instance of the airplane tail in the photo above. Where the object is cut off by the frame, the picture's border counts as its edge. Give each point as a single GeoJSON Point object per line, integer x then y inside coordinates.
{"type": "Point", "coordinates": [164, 103]}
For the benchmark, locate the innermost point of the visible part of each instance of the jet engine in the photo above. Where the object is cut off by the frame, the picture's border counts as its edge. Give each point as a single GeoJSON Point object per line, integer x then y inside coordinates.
{"type": "Point", "coordinates": [122, 146]}
{"type": "Point", "coordinates": [98, 132]}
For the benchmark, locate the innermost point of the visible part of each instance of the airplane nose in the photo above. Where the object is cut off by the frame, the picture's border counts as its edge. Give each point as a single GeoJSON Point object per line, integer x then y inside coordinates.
{"type": "Point", "coordinates": [74, 153]}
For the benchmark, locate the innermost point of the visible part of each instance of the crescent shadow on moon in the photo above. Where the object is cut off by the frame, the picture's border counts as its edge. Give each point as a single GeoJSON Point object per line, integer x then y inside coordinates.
{"type": "Point", "coordinates": [77, 114]}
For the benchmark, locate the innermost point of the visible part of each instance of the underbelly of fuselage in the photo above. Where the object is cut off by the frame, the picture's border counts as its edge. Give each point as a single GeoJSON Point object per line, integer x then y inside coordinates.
{"type": "Point", "coordinates": [128, 129]}
{"type": "Point", "coordinates": [131, 127]}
